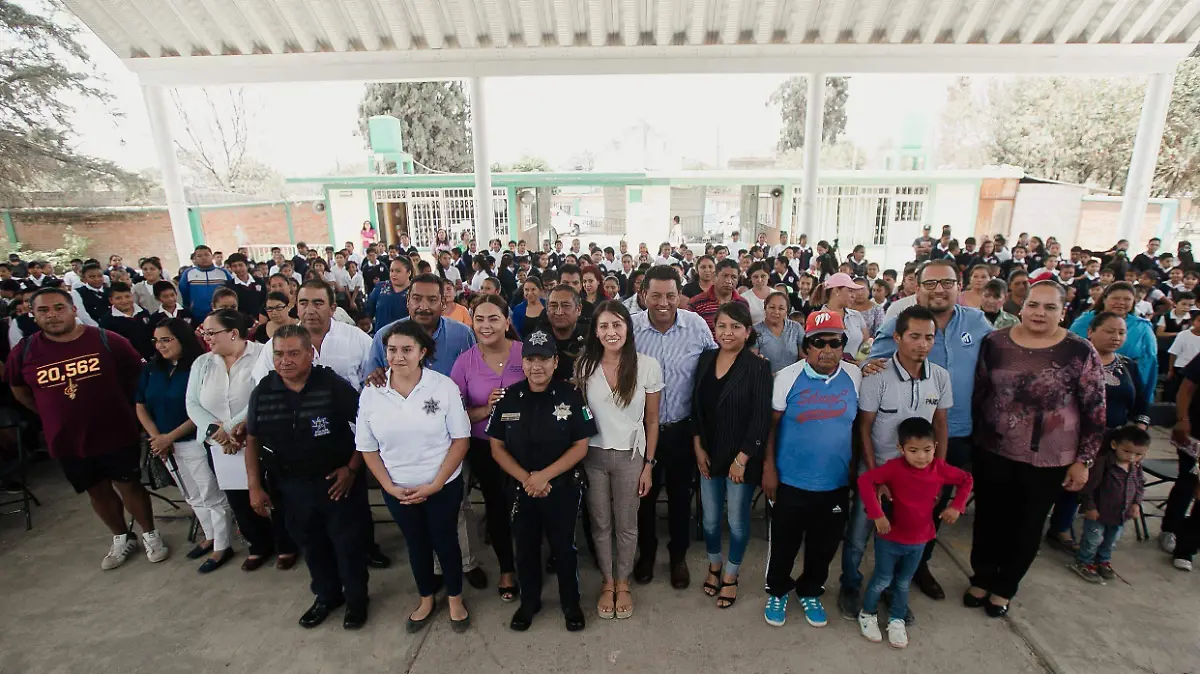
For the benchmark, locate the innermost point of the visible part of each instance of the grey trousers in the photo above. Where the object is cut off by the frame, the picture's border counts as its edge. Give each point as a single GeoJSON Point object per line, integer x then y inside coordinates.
{"type": "Point", "coordinates": [612, 498]}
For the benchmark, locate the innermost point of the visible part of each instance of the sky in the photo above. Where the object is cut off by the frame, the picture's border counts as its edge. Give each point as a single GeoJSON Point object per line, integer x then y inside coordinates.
{"type": "Point", "coordinates": [309, 129]}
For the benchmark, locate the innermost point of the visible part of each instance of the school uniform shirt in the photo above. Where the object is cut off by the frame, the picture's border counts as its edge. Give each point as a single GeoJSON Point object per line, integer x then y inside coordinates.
{"type": "Point", "coordinates": [895, 395]}
{"type": "Point", "coordinates": [813, 441]}
{"type": "Point", "coordinates": [251, 294]}
{"type": "Point", "coordinates": [451, 338]}
{"type": "Point", "coordinates": [95, 302]}
{"type": "Point", "coordinates": [618, 427]}
{"type": "Point", "coordinates": [343, 350]}
{"type": "Point", "coordinates": [538, 427]}
{"type": "Point", "coordinates": [1173, 323]}
{"type": "Point", "coordinates": [412, 434]}
{"type": "Point", "coordinates": [476, 380]}
{"type": "Point", "coordinates": [143, 295]}
{"type": "Point", "coordinates": [373, 273]}
{"type": "Point", "coordinates": [354, 284]}
{"type": "Point", "coordinates": [1184, 348]}
{"type": "Point", "coordinates": [179, 313]}
{"type": "Point", "coordinates": [135, 328]}
{"type": "Point", "coordinates": [915, 491]}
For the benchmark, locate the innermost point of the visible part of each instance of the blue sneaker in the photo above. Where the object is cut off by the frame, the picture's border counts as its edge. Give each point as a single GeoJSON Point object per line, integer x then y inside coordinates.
{"type": "Point", "coordinates": [776, 611]}
{"type": "Point", "coordinates": [814, 613]}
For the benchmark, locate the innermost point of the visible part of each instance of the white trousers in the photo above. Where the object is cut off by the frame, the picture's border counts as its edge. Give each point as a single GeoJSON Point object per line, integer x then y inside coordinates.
{"type": "Point", "coordinates": [204, 496]}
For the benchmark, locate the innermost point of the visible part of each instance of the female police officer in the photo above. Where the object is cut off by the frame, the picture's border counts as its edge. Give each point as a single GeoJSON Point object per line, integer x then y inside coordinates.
{"type": "Point", "coordinates": [539, 432]}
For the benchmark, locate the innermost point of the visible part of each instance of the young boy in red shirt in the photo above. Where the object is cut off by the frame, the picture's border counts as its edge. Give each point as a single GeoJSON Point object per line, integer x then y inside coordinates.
{"type": "Point", "coordinates": [913, 483]}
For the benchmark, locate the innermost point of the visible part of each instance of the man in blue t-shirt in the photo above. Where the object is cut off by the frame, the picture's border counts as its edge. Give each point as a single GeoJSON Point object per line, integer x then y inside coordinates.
{"type": "Point", "coordinates": [806, 473]}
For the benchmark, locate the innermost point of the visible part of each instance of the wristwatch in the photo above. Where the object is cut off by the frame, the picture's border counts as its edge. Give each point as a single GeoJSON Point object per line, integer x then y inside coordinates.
{"type": "Point", "coordinates": [652, 462]}
{"type": "Point", "coordinates": [1087, 463]}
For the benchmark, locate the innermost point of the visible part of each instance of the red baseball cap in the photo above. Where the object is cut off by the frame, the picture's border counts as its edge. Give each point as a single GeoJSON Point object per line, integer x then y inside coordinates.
{"type": "Point", "coordinates": [820, 322]}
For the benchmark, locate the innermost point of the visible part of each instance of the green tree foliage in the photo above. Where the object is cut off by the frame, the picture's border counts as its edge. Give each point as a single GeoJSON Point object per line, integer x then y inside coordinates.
{"type": "Point", "coordinates": [792, 96]}
{"type": "Point", "coordinates": [525, 164]}
{"type": "Point", "coordinates": [42, 69]}
{"type": "Point", "coordinates": [74, 246]}
{"type": "Point", "coordinates": [435, 118]}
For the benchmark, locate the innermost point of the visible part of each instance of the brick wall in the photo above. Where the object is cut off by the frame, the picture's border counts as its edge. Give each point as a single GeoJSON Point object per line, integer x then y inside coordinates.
{"type": "Point", "coordinates": [1098, 222]}
{"type": "Point", "coordinates": [266, 224]}
{"type": "Point", "coordinates": [130, 234]}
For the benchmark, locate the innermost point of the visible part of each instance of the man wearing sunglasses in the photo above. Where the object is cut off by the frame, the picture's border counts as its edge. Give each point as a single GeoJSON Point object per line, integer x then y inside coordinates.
{"type": "Point", "coordinates": [806, 471]}
{"type": "Point", "coordinates": [959, 332]}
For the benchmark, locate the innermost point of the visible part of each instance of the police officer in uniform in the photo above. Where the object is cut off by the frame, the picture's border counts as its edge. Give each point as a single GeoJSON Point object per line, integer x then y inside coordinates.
{"type": "Point", "coordinates": [298, 426]}
{"type": "Point", "coordinates": [540, 431]}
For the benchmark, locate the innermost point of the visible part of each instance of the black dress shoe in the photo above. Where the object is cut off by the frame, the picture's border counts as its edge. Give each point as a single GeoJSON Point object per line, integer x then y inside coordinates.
{"type": "Point", "coordinates": [680, 576]}
{"type": "Point", "coordinates": [971, 601]}
{"type": "Point", "coordinates": [378, 560]}
{"type": "Point", "coordinates": [199, 551]}
{"type": "Point", "coordinates": [477, 578]}
{"type": "Point", "coordinates": [995, 610]}
{"type": "Point", "coordinates": [211, 564]}
{"type": "Point", "coordinates": [573, 617]}
{"type": "Point", "coordinates": [928, 584]}
{"type": "Point", "coordinates": [318, 612]}
{"type": "Point", "coordinates": [523, 618]}
{"type": "Point", "coordinates": [413, 626]}
{"type": "Point", "coordinates": [643, 570]}
{"type": "Point", "coordinates": [356, 617]}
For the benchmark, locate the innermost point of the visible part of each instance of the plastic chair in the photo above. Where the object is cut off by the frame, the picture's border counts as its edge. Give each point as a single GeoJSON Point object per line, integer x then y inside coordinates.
{"type": "Point", "coordinates": [15, 470]}
{"type": "Point", "coordinates": [1164, 471]}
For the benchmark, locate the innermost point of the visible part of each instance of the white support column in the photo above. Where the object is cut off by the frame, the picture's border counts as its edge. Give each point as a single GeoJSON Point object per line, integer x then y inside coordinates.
{"type": "Point", "coordinates": [168, 163]}
{"type": "Point", "coordinates": [1145, 156]}
{"type": "Point", "coordinates": [483, 176]}
{"type": "Point", "coordinates": [814, 116]}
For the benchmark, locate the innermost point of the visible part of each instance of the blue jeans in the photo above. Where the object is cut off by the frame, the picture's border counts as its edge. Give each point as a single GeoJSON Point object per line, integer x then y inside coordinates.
{"type": "Point", "coordinates": [858, 532]}
{"type": "Point", "coordinates": [1063, 516]}
{"type": "Point", "coordinates": [716, 495]}
{"type": "Point", "coordinates": [895, 564]}
{"type": "Point", "coordinates": [1097, 541]}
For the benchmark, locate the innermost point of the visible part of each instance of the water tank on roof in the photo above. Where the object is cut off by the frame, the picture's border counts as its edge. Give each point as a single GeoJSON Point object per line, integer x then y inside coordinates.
{"type": "Point", "coordinates": [385, 134]}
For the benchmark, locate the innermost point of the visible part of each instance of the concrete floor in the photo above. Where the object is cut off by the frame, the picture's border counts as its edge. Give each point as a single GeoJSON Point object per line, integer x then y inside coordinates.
{"type": "Point", "coordinates": [62, 614]}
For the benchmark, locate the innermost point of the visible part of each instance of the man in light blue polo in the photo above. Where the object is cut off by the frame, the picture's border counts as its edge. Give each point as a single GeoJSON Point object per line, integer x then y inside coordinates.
{"type": "Point", "coordinates": [960, 331]}
{"type": "Point", "coordinates": [425, 304]}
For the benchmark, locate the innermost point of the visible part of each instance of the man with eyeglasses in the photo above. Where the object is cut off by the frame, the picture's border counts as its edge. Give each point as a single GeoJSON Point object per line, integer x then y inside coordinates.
{"type": "Point", "coordinates": [806, 471]}
{"type": "Point", "coordinates": [959, 332]}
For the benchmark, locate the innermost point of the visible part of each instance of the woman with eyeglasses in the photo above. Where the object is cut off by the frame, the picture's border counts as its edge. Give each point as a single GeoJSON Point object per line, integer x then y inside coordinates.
{"type": "Point", "coordinates": [162, 408]}
{"type": "Point", "coordinates": [218, 397]}
{"type": "Point", "coordinates": [277, 308]}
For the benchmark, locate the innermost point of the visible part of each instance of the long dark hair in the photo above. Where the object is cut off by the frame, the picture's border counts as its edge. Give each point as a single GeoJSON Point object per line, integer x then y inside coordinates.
{"type": "Point", "coordinates": [186, 337]}
{"type": "Point", "coordinates": [593, 351]}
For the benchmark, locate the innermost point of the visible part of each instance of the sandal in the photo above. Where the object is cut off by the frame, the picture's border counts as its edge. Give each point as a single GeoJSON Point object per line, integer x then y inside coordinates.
{"type": "Point", "coordinates": [508, 593]}
{"type": "Point", "coordinates": [726, 602]}
{"type": "Point", "coordinates": [711, 589]}
{"type": "Point", "coordinates": [610, 613]}
{"type": "Point", "coordinates": [621, 615]}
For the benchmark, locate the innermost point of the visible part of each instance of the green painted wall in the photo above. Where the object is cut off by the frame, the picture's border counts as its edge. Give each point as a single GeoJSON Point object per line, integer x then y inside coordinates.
{"type": "Point", "coordinates": [9, 230]}
{"type": "Point", "coordinates": [196, 226]}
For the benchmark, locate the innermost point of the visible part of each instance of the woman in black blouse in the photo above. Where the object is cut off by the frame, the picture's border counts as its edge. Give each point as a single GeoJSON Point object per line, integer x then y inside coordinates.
{"type": "Point", "coordinates": [731, 415]}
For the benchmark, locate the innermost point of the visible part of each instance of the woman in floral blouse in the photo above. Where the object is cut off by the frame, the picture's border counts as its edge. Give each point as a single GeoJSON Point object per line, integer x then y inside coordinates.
{"type": "Point", "coordinates": [1039, 414]}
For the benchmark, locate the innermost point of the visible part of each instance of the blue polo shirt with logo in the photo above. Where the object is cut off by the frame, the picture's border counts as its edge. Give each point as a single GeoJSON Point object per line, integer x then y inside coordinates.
{"type": "Point", "coordinates": [813, 441]}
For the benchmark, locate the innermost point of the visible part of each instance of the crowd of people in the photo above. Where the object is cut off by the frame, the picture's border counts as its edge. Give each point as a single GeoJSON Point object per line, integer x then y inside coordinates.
{"type": "Point", "coordinates": [563, 381]}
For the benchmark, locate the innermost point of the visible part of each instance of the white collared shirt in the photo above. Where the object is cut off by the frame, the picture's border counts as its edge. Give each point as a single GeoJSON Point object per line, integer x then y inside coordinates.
{"type": "Point", "coordinates": [343, 350]}
{"type": "Point", "coordinates": [247, 283]}
{"type": "Point", "coordinates": [412, 434]}
{"type": "Point", "coordinates": [119, 314]}
{"type": "Point", "coordinates": [216, 395]}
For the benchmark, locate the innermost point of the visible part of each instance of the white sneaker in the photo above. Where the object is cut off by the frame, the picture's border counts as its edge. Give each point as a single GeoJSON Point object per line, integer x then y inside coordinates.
{"type": "Point", "coordinates": [156, 547]}
{"type": "Point", "coordinates": [1183, 564]}
{"type": "Point", "coordinates": [897, 635]}
{"type": "Point", "coordinates": [869, 625]}
{"type": "Point", "coordinates": [122, 547]}
{"type": "Point", "coordinates": [1167, 541]}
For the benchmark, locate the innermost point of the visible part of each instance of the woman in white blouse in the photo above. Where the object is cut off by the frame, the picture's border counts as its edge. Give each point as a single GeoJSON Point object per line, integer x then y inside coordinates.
{"type": "Point", "coordinates": [218, 395]}
{"type": "Point", "coordinates": [622, 387]}
{"type": "Point", "coordinates": [414, 434]}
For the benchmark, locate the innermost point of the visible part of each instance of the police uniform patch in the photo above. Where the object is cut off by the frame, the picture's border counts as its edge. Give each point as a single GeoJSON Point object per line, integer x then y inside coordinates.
{"type": "Point", "coordinates": [562, 412]}
{"type": "Point", "coordinates": [510, 416]}
{"type": "Point", "coordinates": [432, 406]}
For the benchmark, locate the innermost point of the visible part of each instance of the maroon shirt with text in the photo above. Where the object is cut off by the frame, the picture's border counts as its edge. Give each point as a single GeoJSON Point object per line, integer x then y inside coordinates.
{"type": "Point", "coordinates": [83, 391]}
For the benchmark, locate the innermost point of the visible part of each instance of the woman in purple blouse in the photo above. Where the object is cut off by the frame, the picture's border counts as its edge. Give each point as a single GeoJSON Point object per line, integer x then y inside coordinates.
{"type": "Point", "coordinates": [483, 373]}
{"type": "Point", "coordinates": [1039, 419]}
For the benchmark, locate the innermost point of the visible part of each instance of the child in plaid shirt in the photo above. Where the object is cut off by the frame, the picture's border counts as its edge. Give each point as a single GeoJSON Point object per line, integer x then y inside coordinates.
{"type": "Point", "coordinates": [1112, 495]}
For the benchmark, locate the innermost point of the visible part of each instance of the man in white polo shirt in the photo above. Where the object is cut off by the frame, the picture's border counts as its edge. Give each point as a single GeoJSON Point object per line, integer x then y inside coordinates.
{"type": "Point", "coordinates": [908, 386]}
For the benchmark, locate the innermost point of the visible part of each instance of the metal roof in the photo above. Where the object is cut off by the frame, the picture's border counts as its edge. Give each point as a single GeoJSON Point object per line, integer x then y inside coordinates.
{"type": "Point", "coordinates": [182, 42]}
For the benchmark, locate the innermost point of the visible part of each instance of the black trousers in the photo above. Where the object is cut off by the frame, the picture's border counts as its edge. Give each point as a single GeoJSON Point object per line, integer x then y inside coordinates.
{"type": "Point", "coordinates": [814, 519]}
{"type": "Point", "coordinates": [1012, 500]}
{"type": "Point", "coordinates": [676, 470]}
{"type": "Point", "coordinates": [332, 535]}
{"type": "Point", "coordinates": [552, 517]}
{"type": "Point", "coordinates": [266, 536]}
{"type": "Point", "coordinates": [958, 454]}
{"type": "Point", "coordinates": [496, 499]}
{"type": "Point", "coordinates": [432, 527]}
{"type": "Point", "coordinates": [1181, 496]}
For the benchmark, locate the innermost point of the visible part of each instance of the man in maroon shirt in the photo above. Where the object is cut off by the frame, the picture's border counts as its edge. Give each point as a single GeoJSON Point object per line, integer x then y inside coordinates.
{"type": "Point", "coordinates": [721, 291]}
{"type": "Point", "coordinates": [81, 382]}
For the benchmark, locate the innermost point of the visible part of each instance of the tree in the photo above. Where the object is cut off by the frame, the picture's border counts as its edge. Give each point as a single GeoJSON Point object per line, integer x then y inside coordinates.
{"type": "Point", "coordinates": [42, 69]}
{"type": "Point", "coordinates": [525, 164]}
{"type": "Point", "coordinates": [792, 97]}
{"type": "Point", "coordinates": [435, 118]}
{"type": "Point", "coordinates": [74, 247]}
{"type": "Point", "coordinates": [964, 131]}
{"type": "Point", "coordinates": [214, 145]}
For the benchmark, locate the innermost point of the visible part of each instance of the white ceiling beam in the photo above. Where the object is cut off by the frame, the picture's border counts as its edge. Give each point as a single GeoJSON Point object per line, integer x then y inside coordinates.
{"type": "Point", "coordinates": [531, 28]}
{"type": "Point", "coordinates": [733, 22]}
{"type": "Point", "coordinates": [801, 16]}
{"type": "Point", "coordinates": [840, 59]}
{"type": "Point", "coordinates": [497, 26]}
{"type": "Point", "coordinates": [629, 21]}
{"type": "Point", "coordinates": [904, 21]}
{"type": "Point", "coordinates": [169, 35]}
{"type": "Point", "coordinates": [263, 28]}
{"type": "Point", "coordinates": [1110, 22]}
{"type": "Point", "coordinates": [461, 15]}
{"type": "Point", "coordinates": [835, 18]}
{"type": "Point", "coordinates": [971, 24]}
{"type": "Point", "coordinates": [1179, 22]}
{"type": "Point", "coordinates": [698, 25]}
{"type": "Point", "coordinates": [597, 24]}
{"type": "Point", "coordinates": [940, 18]}
{"type": "Point", "coordinates": [429, 14]}
{"type": "Point", "coordinates": [564, 22]}
{"type": "Point", "coordinates": [1045, 18]}
{"type": "Point", "coordinates": [102, 24]}
{"type": "Point", "coordinates": [1079, 20]}
{"type": "Point", "coordinates": [329, 20]}
{"type": "Point", "coordinates": [200, 37]}
{"type": "Point", "coordinates": [870, 15]}
{"type": "Point", "coordinates": [664, 21]}
{"type": "Point", "coordinates": [1194, 37]}
{"type": "Point", "coordinates": [296, 18]}
{"type": "Point", "coordinates": [1011, 16]}
{"type": "Point", "coordinates": [768, 15]}
{"type": "Point", "coordinates": [1145, 21]}
{"type": "Point", "coordinates": [361, 21]}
